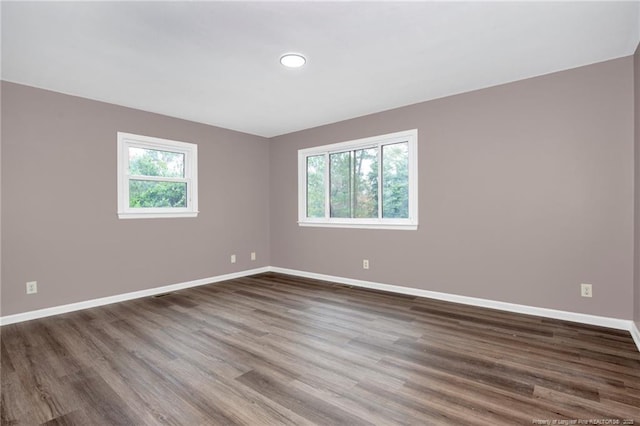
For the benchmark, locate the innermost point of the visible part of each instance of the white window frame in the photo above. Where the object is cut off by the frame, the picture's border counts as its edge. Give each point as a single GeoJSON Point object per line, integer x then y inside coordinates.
{"type": "Point", "coordinates": [410, 223]}
{"type": "Point", "coordinates": [190, 151]}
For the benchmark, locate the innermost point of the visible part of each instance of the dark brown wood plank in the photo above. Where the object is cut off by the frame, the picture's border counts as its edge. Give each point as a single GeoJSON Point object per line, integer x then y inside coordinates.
{"type": "Point", "coordinates": [302, 403]}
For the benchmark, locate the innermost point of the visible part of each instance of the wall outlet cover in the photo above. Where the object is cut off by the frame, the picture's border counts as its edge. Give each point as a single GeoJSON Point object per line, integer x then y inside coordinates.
{"type": "Point", "coordinates": [32, 287]}
{"type": "Point", "coordinates": [586, 290]}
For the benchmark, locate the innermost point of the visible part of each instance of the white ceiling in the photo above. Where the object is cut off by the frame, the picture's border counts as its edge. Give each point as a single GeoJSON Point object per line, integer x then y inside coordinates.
{"type": "Point", "coordinates": [218, 62]}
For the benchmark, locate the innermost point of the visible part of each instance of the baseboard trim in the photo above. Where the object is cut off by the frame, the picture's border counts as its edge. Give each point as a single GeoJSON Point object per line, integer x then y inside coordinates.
{"type": "Point", "coordinates": [616, 323]}
{"type": "Point", "coordinates": [635, 333]}
{"type": "Point", "coordinates": [62, 309]}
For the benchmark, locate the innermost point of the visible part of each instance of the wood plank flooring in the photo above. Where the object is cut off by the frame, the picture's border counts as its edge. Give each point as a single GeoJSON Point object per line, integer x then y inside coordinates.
{"type": "Point", "coordinates": [275, 349]}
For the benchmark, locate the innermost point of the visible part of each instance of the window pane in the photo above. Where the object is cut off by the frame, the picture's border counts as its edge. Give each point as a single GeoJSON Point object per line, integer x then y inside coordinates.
{"type": "Point", "coordinates": [145, 193]}
{"type": "Point", "coordinates": [315, 186]}
{"type": "Point", "coordinates": [395, 180]}
{"type": "Point", "coordinates": [340, 185]}
{"type": "Point", "coordinates": [365, 183]}
{"type": "Point", "coordinates": [151, 162]}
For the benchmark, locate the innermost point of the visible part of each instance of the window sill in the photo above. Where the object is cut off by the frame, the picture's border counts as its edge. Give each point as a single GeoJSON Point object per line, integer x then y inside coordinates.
{"type": "Point", "coordinates": [156, 215]}
{"type": "Point", "coordinates": [395, 226]}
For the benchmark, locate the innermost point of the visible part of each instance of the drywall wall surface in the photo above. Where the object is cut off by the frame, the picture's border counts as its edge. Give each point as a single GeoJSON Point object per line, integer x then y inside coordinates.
{"type": "Point", "coordinates": [525, 192]}
{"type": "Point", "coordinates": [636, 275]}
{"type": "Point", "coordinates": [59, 203]}
{"type": "Point", "coordinates": [1, 202]}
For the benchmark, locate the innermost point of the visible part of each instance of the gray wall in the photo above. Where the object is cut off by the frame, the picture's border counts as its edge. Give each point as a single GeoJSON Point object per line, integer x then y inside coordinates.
{"type": "Point", "coordinates": [1, 239]}
{"type": "Point", "coordinates": [636, 275]}
{"type": "Point", "coordinates": [59, 202]}
{"type": "Point", "coordinates": [526, 191]}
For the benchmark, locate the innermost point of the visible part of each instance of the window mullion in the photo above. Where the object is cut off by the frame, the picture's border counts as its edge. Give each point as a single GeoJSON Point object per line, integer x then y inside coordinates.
{"type": "Point", "coordinates": [380, 160]}
{"type": "Point", "coordinates": [352, 182]}
{"type": "Point", "coordinates": [327, 185]}
{"type": "Point", "coordinates": [158, 178]}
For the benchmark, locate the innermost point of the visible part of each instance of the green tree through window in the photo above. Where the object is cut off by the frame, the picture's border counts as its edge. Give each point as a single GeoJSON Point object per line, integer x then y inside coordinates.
{"type": "Point", "coordinates": [395, 180]}
{"type": "Point", "coordinates": [370, 183]}
{"type": "Point", "coordinates": [157, 178]}
{"type": "Point", "coordinates": [354, 182]}
{"type": "Point", "coordinates": [354, 187]}
{"type": "Point", "coordinates": [153, 193]}
{"type": "Point", "coordinates": [315, 186]}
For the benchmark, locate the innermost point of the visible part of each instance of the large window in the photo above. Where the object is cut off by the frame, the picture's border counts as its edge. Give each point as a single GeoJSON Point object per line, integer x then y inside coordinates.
{"type": "Point", "coordinates": [366, 183]}
{"type": "Point", "coordinates": [156, 177]}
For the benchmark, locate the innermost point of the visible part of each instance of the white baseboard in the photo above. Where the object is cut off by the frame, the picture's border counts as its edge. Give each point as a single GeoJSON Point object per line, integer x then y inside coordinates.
{"type": "Point", "coordinates": [56, 310]}
{"type": "Point", "coordinates": [616, 323]}
{"type": "Point", "coordinates": [635, 333]}
{"type": "Point", "coordinates": [619, 324]}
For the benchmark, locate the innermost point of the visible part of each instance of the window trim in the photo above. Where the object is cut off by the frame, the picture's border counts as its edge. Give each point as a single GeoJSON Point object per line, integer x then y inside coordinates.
{"type": "Point", "coordinates": [190, 151]}
{"type": "Point", "coordinates": [411, 223]}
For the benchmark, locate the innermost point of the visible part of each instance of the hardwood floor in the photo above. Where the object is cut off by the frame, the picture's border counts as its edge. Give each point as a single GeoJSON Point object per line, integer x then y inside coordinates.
{"type": "Point", "coordinates": [276, 349]}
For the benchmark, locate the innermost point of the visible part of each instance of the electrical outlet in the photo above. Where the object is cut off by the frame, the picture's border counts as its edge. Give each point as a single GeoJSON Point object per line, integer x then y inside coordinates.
{"type": "Point", "coordinates": [586, 290]}
{"type": "Point", "coordinates": [365, 263]}
{"type": "Point", "coordinates": [32, 287]}
{"type": "Point", "coordinates": [233, 258]}
{"type": "Point", "coordinates": [253, 255]}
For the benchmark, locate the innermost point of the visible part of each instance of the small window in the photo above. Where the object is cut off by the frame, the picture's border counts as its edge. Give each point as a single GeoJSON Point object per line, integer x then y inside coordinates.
{"type": "Point", "coordinates": [156, 177]}
{"type": "Point", "coordinates": [365, 183]}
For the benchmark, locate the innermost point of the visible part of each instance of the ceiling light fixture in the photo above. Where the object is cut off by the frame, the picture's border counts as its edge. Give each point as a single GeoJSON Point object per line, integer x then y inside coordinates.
{"type": "Point", "coordinates": [293, 60]}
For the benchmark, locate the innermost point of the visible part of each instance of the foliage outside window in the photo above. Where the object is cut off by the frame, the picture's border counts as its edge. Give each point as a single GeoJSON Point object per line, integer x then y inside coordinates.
{"type": "Point", "coordinates": [156, 177]}
{"type": "Point", "coordinates": [366, 183]}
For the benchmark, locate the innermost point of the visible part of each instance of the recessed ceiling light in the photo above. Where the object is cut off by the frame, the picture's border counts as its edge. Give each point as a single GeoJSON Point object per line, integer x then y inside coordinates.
{"type": "Point", "coordinates": [293, 60]}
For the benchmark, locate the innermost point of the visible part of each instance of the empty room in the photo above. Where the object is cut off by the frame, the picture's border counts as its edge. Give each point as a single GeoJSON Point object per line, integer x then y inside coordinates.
{"type": "Point", "coordinates": [320, 213]}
